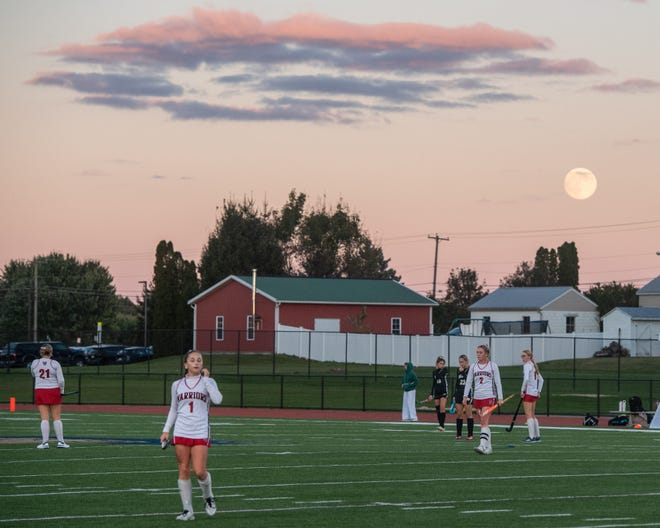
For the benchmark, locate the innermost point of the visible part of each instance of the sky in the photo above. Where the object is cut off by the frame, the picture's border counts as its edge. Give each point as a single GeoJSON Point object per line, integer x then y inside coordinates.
{"type": "Point", "coordinates": [129, 122]}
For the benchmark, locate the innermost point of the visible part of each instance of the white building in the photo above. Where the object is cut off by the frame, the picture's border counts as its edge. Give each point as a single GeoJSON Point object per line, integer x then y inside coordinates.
{"type": "Point", "coordinates": [649, 295]}
{"type": "Point", "coordinates": [637, 328]}
{"type": "Point", "coordinates": [535, 310]}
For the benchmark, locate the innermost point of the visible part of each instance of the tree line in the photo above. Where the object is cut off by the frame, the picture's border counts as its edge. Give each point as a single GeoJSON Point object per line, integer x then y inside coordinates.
{"type": "Point", "coordinates": [295, 240]}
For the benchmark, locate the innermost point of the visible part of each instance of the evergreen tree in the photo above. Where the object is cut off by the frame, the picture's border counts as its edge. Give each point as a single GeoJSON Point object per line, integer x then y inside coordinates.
{"type": "Point", "coordinates": [568, 273]}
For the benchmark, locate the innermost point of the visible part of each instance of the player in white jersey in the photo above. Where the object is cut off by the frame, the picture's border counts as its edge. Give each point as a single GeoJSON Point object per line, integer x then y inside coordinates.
{"type": "Point", "coordinates": [530, 392]}
{"type": "Point", "coordinates": [48, 389]}
{"type": "Point", "coordinates": [485, 375]}
{"type": "Point", "coordinates": [189, 414]}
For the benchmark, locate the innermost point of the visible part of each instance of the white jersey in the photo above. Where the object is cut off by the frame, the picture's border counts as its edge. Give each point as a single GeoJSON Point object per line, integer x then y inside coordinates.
{"type": "Point", "coordinates": [487, 382]}
{"type": "Point", "coordinates": [47, 374]}
{"type": "Point", "coordinates": [189, 409]}
{"type": "Point", "coordinates": [532, 381]}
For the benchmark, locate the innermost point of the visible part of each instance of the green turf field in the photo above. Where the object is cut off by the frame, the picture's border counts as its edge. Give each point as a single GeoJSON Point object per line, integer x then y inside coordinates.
{"type": "Point", "coordinates": [298, 473]}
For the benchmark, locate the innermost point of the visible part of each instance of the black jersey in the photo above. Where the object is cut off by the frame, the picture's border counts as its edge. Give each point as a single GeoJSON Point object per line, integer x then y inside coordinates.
{"type": "Point", "coordinates": [439, 387]}
{"type": "Point", "coordinates": [459, 388]}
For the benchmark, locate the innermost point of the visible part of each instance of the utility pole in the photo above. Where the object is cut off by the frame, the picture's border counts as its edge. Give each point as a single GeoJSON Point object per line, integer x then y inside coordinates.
{"type": "Point", "coordinates": [435, 262]}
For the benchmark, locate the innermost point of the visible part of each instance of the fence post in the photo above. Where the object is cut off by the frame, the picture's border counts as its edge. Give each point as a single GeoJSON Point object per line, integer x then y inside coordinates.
{"type": "Point", "coordinates": [282, 392]}
{"type": "Point", "coordinates": [597, 396]}
{"type": "Point", "coordinates": [274, 352]}
{"type": "Point", "coordinates": [309, 354]}
{"type": "Point", "coordinates": [376, 357]}
{"type": "Point", "coordinates": [574, 360]}
{"type": "Point", "coordinates": [241, 390]}
{"type": "Point", "coordinates": [346, 357]}
{"type": "Point", "coordinates": [364, 393]}
{"type": "Point", "coordinates": [322, 392]}
{"type": "Point", "coordinates": [79, 387]}
{"type": "Point", "coordinates": [123, 386]}
{"type": "Point", "coordinates": [164, 389]}
{"type": "Point", "coordinates": [548, 392]}
{"type": "Point", "coordinates": [238, 352]}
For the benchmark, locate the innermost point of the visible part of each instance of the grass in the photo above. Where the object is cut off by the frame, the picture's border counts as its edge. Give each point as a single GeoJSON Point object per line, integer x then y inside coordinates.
{"type": "Point", "coordinates": [596, 387]}
{"type": "Point", "coordinates": [282, 473]}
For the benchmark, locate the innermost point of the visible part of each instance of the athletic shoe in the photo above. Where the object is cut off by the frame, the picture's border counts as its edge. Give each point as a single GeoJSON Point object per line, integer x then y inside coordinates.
{"type": "Point", "coordinates": [528, 440]}
{"type": "Point", "coordinates": [459, 437]}
{"type": "Point", "coordinates": [488, 451]}
{"type": "Point", "coordinates": [43, 445]}
{"type": "Point", "coordinates": [440, 428]}
{"type": "Point", "coordinates": [185, 515]}
{"type": "Point", "coordinates": [210, 506]}
{"type": "Point", "coordinates": [480, 450]}
{"type": "Point", "coordinates": [537, 439]}
{"type": "Point", "coordinates": [470, 437]}
{"type": "Point", "coordinates": [63, 445]}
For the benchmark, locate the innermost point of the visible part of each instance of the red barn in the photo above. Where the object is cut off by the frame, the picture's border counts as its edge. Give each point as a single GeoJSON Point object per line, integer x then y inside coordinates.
{"type": "Point", "coordinates": [223, 319]}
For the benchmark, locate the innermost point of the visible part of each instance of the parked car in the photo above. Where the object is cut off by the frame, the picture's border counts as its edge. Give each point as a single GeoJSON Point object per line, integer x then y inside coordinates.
{"type": "Point", "coordinates": [134, 354]}
{"type": "Point", "coordinates": [86, 355]}
{"type": "Point", "coordinates": [109, 354]}
{"type": "Point", "coordinates": [22, 353]}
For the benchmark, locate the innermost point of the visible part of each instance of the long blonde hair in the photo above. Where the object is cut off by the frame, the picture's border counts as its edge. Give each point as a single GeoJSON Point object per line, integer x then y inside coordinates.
{"type": "Point", "coordinates": [531, 357]}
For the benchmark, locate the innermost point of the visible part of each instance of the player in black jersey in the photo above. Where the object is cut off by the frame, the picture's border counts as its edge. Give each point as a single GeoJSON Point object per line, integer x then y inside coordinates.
{"type": "Point", "coordinates": [463, 410]}
{"type": "Point", "coordinates": [439, 391]}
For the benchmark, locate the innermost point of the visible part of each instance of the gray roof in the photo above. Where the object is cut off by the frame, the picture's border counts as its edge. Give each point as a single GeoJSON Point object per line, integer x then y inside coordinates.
{"type": "Point", "coordinates": [527, 298]}
{"type": "Point", "coordinates": [329, 291]}
{"type": "Point", "coordinates": [652, 287]}
{"type": "Point", "coordinates": [646, 313]}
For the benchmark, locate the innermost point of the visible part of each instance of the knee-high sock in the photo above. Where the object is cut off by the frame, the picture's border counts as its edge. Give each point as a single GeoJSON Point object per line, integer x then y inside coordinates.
{"type": "Point", "coordinates": [206, 486]}
{"type": "Point", "coordinates": [537, 428]}
{"type": "Point", "coordinates": [441, 418]}
{"type": "Point", "coordinates": [470, 426]}
{"type": "Point", "coordinates": [459, 426]}
{"type": "Point", "coordinates": [45, 430]}
{"type": "Point", "coordinates": [484, 437]}
{"type": "Point", "coordinates": [185, 490]}
{"type": "Point", "coordinates": [530, 428]}
{"type": "Point", "coordinates": [437, 413]}
{"type": "Point", "coordinates": [59, 430]}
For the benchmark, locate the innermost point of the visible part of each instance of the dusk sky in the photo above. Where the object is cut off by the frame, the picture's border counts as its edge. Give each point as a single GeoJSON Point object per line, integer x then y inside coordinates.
{"type": "Point", "coordinates": [128, 122]}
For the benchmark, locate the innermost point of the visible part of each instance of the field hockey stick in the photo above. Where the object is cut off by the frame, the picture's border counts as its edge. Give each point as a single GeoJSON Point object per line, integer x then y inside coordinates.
{"type": "Point", "coordinates": [69, 393]}
{"type": "Point", "coordinates": [515, 415]}
{"type": "Point", "coordinates": [490, 409]}
{"type": "Point", "coordinates": [452, 407]}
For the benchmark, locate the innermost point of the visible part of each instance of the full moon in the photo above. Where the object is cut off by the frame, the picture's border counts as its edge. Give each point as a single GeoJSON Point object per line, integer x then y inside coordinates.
{"type": "Point", "coordinates": [580, 183]}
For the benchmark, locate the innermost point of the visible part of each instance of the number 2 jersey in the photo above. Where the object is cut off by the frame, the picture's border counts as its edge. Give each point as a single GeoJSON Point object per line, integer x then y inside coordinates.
{"type": "Point", "coordinates": [487, 382]}
{"type": "Point", "coordinates": [47, 374]}
{"type": "Point", "coordinates": [189, 410]}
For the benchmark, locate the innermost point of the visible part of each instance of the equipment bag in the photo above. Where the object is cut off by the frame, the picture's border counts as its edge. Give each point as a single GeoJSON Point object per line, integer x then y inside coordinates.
{"type": "Point", "coordinates": [590, 421]}
{"type": "Point", "coordinates": [620, 420]}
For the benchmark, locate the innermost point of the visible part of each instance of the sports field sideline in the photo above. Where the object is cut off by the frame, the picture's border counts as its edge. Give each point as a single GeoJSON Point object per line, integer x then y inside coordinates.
{"type": "Point", "coordinates": [272, 470]}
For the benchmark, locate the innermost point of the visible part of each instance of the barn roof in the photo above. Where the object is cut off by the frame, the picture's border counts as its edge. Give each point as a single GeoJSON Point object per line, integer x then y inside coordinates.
{"type": "Point", "coordinates": [652, 288]}
{"type": "Point", "coordinates": [524, 298]}
{"type": "Point", "coordinates": [329, 291]}
{"type": "Point", "coordinates": [638, 313]}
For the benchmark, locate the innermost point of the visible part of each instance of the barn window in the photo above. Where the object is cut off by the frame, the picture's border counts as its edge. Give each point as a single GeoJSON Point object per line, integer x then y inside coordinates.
{"type": "Point", "coordinates": [396, 326]}
{"type": "Point", "coordinates": [570, 324]}
{"type": "Point", "coordinates": [220, 328]}
{"type": "Point", "coordinates": [250, 328]}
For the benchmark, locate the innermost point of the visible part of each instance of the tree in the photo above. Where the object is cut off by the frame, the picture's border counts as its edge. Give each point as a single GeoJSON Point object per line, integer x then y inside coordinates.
{"type": "Point", "coordinates": [334, 244]}
{"type": "Point", "coordinates": [551, 268]}
{"type": "Point", "coordinates": [174, 283]}
{"type": "Point", "coordinates": [609, 296]}
{"type": "Point", "coordinates": [319, 243]}
{"type": "Point", "coordinates": [71, 298]}
{"type": "Point", "coordinates": [463, 290]}
{"type": "Point", "coordinates": [568, 273]}
{"type": "Point", "coordinates": [522, 277]}
{"type": "Point", "coordinates": [544, 272]}
{"type": "Point", "coordinates": [243, 239]}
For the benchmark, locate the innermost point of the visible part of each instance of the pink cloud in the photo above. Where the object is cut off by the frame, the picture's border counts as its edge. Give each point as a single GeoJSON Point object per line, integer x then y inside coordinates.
{"type": "Point", "coordinates": [210, 30]}
{"type": "Point", "coordinates": [630, 86]}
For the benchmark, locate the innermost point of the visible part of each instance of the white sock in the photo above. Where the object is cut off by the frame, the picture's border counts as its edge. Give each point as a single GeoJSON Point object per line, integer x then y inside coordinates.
{"type": "Point", "coordinates": [45, 430]}
{"type": "Point", "coordinates": [185, 490]}
{"type": "Point", "coordinates": [530, 427]}
{"type": "Point", "coordinates": [484, 437]}
{"type": "Point", "coordinates": [59, 430]}
{"type": "Point", "coordinates": [537, 428]}
{"type": "Point", "coordinates": [206, 486]}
